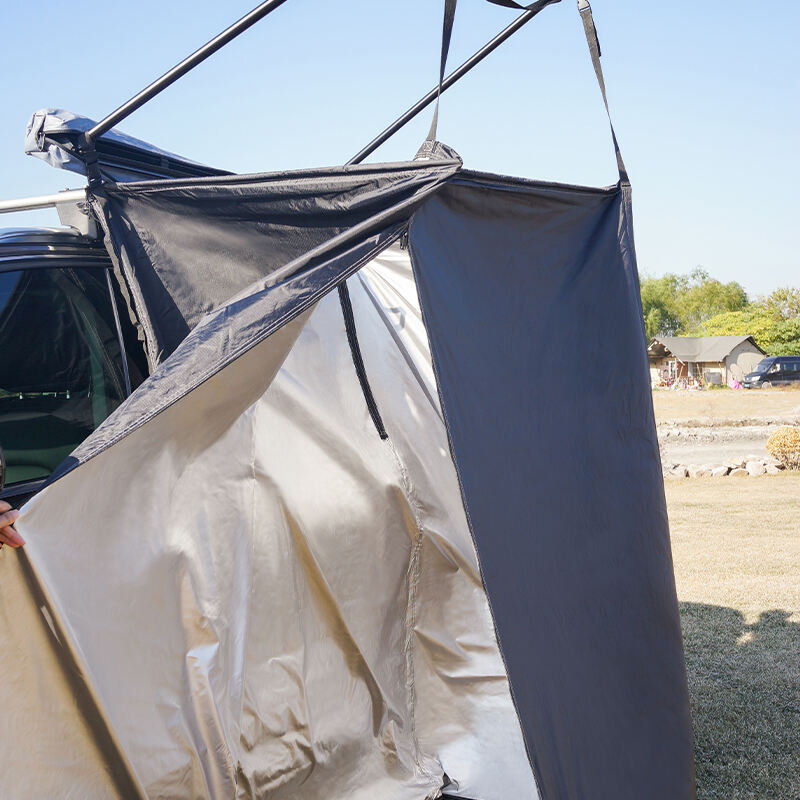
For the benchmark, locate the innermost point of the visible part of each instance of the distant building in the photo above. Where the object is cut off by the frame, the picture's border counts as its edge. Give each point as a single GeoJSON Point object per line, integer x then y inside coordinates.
{"type": "Point", "coordinates": [714, 359]}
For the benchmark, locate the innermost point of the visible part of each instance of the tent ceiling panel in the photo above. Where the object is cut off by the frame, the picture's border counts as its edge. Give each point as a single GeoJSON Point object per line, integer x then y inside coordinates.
{"type": "Point", "coordinates": [186, 246]}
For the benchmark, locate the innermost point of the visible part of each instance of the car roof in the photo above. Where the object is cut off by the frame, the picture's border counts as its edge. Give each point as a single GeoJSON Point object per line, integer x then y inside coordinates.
{"type": "Point", "coordinates": [23, 248]}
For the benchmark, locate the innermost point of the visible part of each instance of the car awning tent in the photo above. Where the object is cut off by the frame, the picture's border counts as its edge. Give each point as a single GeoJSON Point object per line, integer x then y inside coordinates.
{"type": "Point", "coordinates": [391, 552]}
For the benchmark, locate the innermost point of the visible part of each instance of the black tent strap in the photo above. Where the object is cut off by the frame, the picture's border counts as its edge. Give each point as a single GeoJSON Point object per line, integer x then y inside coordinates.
{"type": "Point", "coordinates": [447, 32]}
{"type": "Point", "coordinates": [594, 50]}
{"type": "Point", "coordinates": [344, 293]}
{"type": "Point", "coordinates": [358, 361]}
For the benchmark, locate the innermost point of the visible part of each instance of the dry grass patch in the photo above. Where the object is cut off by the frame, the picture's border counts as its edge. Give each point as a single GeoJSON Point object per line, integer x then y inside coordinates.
{"type": "Point", "coordinates": [736, 545]}
{"type": "Point", "coordinates": [727, 404]}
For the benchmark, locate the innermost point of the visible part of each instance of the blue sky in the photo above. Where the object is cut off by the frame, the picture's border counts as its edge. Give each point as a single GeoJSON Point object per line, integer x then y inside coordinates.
{"type": "Point", "coordinates": [705, 98]}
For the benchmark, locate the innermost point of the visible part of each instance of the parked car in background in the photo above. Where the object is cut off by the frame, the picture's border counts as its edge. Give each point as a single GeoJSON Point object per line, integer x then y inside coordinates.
{"type": "Point", "coordinates": [774, 371]}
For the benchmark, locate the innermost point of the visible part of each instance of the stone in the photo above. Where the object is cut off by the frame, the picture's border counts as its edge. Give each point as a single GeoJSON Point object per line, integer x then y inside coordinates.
{"type": "Point", "coordinates": [755, 468]}
{"type": "Point", "coordinates": [679, 471]}
{"type": "Point", "coordinates": [738, 473]}
{"type": "Point", "coordinates": [719, 472]}
{"type": "Point", "coordinates": [772, 470]}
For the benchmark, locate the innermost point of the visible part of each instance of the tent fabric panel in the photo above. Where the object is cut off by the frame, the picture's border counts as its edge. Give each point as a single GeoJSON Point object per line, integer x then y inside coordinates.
{"type": "Point", "coordinates": [186, 246]}
{"type": "Point", "coordinates": [464, 715]}
{"type": "Point", "coordinates": [152, 628]}
{"type": "Point", "coordinates": [54, 738]}
{"type": "Point", "coordinates": [51, 134]}
{"type": "Point", "coordinates": [222, 337]}
{"type": "Point", "coordinates": [530, 298]}
{"type": "Point", "coordinates": [263, 584]}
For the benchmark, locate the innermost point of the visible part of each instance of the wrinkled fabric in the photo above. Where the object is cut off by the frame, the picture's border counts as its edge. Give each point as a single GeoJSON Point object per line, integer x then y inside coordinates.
{"type": "Point", "coordinates": [531, 301]}
{"type": "Point", "coordinates": [463, 711]}
{"type": "Point", "coordinates": [184, 247]}
{"type": "Point", "coordinates": [255, 595]}
{"type": "Point", "coordinates": [286, 648]}
{"type": "Point", "coordinates": [51, 134]}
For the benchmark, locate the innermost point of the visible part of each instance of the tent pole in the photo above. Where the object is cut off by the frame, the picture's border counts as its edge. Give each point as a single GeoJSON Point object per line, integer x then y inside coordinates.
{"type": "Point", "coordinates": [182, 68]}
{"type": "Point", "coordinates": [446, 83]}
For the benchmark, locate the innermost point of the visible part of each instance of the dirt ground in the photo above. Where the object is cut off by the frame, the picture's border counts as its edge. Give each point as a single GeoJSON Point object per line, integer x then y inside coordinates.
{"type": "Point", "coordinates": [736, 546]}
{"type": "Point", "coordinates": [725, 405]}
{"type": "Point", "coordinates": [713, 427]}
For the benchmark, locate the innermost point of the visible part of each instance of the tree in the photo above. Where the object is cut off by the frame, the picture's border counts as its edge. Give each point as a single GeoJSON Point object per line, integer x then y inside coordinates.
{"type": "Point", "coordinates": [676, 304]}
{"type": "Point", "coordinates": [658, 306]}
{"type": "Point", "coordinates": [784, 301]}
{"type": "Point", "coordinates": [775, 335]}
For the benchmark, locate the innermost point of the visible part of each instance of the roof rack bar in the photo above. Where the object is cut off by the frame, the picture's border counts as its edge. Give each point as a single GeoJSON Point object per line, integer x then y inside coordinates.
{"type": "Point", "coordinates": [42, 201]}
{"type": "Point", "coordinates": [179, 70]}
{"type": "Point", "coordinates": [447, 83]}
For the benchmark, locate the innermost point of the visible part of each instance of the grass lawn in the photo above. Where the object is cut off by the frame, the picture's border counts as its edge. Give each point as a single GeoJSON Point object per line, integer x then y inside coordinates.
{"type": "Point", "coordinates": [726, 404]}
{"type": "Point", "coordinates": [736, 545]}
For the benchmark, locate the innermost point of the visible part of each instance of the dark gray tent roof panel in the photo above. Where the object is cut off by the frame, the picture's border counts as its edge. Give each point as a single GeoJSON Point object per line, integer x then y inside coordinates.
{"type": "Point", "coordinates": [187, 246]}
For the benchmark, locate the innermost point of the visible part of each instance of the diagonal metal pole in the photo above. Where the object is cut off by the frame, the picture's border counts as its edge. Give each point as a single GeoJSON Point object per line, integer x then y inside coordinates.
{"type": "Point", "coordinates": [181, 69]}
{"type": "Point", "coordinates": [458, 73]}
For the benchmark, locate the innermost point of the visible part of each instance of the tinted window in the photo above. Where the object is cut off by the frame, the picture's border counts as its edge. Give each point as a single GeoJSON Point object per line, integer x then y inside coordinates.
{"type": "Point", "coordinates": [60, 367]}
{"type": "Point", "coordinates": [764, 365]}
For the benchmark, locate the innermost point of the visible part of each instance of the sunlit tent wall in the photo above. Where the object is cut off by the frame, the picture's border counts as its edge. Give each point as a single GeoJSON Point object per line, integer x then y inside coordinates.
{"type": "Point", "coordinates": [375, 543]}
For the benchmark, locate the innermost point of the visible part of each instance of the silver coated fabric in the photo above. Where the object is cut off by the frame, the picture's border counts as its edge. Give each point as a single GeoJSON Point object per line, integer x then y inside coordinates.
{"type": "Point", "coordinates": [288, 605]}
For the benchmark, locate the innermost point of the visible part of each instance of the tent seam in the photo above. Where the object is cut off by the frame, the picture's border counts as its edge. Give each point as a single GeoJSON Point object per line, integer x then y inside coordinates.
{"type": "Point", "coordinates": [532, 762]}
{"type": "Point", "coordinates": [411, 607]}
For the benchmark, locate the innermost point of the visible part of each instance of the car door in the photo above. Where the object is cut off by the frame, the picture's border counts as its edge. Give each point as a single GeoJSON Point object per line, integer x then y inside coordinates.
{"type": "Point", "coordinates": [62, 340]}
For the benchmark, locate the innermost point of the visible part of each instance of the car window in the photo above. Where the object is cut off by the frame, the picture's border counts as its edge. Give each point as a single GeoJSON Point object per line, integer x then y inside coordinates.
{"type": "Point", "coordinates": [60, 365]}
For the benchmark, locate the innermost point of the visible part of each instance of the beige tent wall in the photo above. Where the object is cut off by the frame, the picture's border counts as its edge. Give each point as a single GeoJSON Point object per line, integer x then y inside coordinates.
{"type": "Point", "coordinates": [265, 598]}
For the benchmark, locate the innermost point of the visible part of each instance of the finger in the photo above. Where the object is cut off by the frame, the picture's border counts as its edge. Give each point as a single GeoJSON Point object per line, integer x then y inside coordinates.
{"type": "Point", "coordinates": [9, 517]}
{"type": "Point", "coordinates": [4, 506]}
{"type": "Point", "coordinates": [10, 537]}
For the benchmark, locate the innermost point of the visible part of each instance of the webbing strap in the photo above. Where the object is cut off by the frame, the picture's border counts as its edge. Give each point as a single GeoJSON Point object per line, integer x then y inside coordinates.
{"type": "Point", "coordinates": [358, 361]}
{"type": "Point", "coordinates": [425, 151]}
{"type": "Point", "coordinates": [447, 32]}
{"type": "Point", "coordinates": [594, 49]}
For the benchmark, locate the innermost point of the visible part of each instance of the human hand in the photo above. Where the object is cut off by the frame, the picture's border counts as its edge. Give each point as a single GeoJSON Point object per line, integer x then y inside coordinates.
{"type": "Point", "coordinates": [8, 516]}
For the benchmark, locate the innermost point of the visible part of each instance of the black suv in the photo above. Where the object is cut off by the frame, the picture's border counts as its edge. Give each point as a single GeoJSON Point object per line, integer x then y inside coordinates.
{"type": "Point", "coordinates": [69, 348]}
{"type": "Point", "coordinates": [774, 371]}
{"type": "Point", "coordinates": [63, 330]}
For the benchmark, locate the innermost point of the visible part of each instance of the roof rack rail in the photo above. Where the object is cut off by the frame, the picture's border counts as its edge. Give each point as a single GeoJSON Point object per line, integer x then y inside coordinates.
{"type": "Point", "coordinates": [69, 203]}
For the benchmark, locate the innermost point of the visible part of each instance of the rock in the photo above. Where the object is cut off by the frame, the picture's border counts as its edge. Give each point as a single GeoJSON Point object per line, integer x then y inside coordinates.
{"type": "Point", "coordinates": [753, 458]}
{"type": "Point", "coordinates": [772, 470]}
{"type": "Point", "coordinates": [719, 472]}
{"type": "Point", "coordinates": [680, 471]}
{"type": "Point", "coordinates": [703, 471]}
{"type": "Point", "coordinates": [738, 473]}
{"type": "Point", "coordinates": [755, 468]}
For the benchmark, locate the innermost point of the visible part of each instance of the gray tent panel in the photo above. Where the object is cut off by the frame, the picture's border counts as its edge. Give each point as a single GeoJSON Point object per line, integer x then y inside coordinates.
{"type": "Point", "coordinates": [187, 246]}
{"type": "Point", "coordinates": [530, 298]}
{"type": "Point", "coordinates": [52, 134]}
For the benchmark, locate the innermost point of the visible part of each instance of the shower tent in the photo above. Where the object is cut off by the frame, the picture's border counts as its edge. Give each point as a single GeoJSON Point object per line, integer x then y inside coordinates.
{"type": "Point", "coordinates": [403, 539]}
